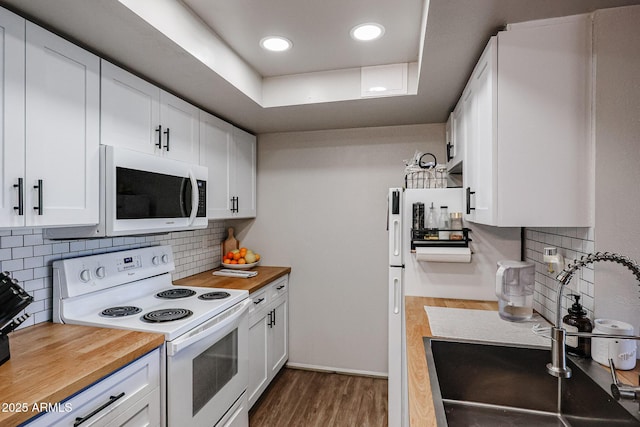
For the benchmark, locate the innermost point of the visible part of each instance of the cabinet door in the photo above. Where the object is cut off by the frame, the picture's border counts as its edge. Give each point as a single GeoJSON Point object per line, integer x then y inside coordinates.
{"type": "Point", "coordinates": [216, 142]}
{"type": "Point", "coordinates": [62, 131]}
{"type": "Point", "coordinates": [279, 340]}
{"type": "Point", "coordinates": [544, 128]}
{"type": "Point", "coordinates": [456, 140]}
{"type": "Point", "coordinates": [180, 128]}
{"type": "Point", "coordinates": [244, 177]}
{"type": "Point", "coordinates": [258, 358]}
{"type": "Point", "coordinates": [482, 135]}
{"type": "Point", "coordinates": [466, 124]}
{"type": "Point", "coordinates": [12, 115]}
{"type": "Point", "coordinates": [130, 111]}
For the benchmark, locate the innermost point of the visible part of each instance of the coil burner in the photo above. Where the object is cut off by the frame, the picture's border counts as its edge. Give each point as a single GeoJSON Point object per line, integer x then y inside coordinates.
{"type": "Point", "coordinates": [176, 293]}
{"type": "Point", "coordinates": [214, 295]}
{"type": "Point", "coordinates": [123, 311]}
{"type": "Point", "coordinates": [166, 315]}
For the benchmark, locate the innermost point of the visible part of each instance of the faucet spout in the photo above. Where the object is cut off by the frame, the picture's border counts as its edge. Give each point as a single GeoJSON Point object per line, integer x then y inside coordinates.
{"type": "Point", "coordinates": [558, 366]}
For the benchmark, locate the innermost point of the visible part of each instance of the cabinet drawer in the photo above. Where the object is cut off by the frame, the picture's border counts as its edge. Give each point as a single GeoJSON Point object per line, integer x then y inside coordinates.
{"type": "Point", "coordinates": [261, 301]}
{"type": "Point", "coordinates": [123, 389]}
{"type": "Point", "coordinates": [278, 288]}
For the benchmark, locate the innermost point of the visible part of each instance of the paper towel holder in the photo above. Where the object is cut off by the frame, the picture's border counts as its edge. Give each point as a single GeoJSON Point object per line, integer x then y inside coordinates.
{"type": "Point", "coordinates": [419, 239]}
{"type": "Point", "coordinates": [441, 250]}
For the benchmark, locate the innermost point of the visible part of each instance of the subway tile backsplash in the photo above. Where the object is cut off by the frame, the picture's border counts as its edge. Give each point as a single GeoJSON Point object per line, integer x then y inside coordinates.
{"type": "Point", "coordinates": [571, 243]}
{"type": "Point", "coordinates": [28, 257]}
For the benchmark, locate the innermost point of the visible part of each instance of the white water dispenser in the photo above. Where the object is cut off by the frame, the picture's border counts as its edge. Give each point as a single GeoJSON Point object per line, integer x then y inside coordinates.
{"type": "Point", "coordinates": [515, 282]}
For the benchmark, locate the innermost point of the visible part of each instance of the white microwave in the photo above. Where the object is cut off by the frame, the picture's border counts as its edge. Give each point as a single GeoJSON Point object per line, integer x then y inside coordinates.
{"type": "Point", "coordinates": [142, 193]}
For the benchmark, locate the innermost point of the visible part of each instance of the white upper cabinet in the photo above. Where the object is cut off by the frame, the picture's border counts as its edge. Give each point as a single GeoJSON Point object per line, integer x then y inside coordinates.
{"type": "Point", "coordinates": [50, 139]}
{"type": "Point", "coordinates": [244, 178]}
{"type": "Point", "coordinates": [230, 155]}
{"type": "Point", "coordinates": [62, 131]}
{"type": "Point", "coordinates": [12, 177]}
{"type": "Point", "coordinates": [455, 140]}
{"type": "Point", "coordinates": [138, 115]}
{"type": "Point", "coordinates": [181, 128]}
{"type": "Point", "coordinates": [130, 110]}
{"type": "Point", "coordinates": [527, 111]}
{"type": "Point", "coordinates": [216, 141]}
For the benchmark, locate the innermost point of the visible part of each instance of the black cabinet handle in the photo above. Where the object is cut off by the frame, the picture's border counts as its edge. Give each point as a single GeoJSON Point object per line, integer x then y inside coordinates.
{"type": "Point", "coordinates": [159, 143]}
{"type": "Point", "coordinates": [469, 193]}
{"type": "Point", "coordinates": [39, 188]}
{"type": "Point", "coordinates": [20, 187]}
{"type": "Point", "coordinates": [271, 319]}
{"type": "Point", "coordinates": [237, 204]}
{"type": "Point", "coordinates": [449, 147]}
{"type": "Point", "coordinates": [274, 317]}
{"type": "Point", "coordinates": [112, 400]}
{"type": "Point", "coordinates": [166, 132]}
{"type": "Point", "coordinates": [258, 301]}
{"type": "Point", "coordinates": [280, 287]}
{"type": "Point", "coordinates": [234, 204]}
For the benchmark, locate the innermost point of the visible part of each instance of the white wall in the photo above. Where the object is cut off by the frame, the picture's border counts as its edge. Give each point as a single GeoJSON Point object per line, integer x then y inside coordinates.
{"type": "Point", "coordinates": [617, 130]}
{"type": "Point", "coordinates": [322, 200]}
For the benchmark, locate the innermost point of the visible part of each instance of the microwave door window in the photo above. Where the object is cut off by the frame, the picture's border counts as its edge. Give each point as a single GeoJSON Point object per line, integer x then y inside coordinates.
{"type": "Point", "coordinates": [142, 194]}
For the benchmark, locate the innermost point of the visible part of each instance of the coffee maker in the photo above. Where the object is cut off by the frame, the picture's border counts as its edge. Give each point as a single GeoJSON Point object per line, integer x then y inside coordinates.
{"type": "Point", "coordinates": [515, 282]}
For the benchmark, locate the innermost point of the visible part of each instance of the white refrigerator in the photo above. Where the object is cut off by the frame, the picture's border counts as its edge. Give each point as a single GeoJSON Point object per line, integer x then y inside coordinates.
{"type": "Point", "coordinates": [460, 276]}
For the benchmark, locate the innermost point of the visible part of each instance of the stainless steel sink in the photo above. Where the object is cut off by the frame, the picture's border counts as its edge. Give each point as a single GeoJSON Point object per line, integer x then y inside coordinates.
{"type": "Point", "coordinates": [486, 384]}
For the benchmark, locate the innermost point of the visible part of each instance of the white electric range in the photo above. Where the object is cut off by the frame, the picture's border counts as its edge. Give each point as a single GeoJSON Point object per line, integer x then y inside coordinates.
{"type": "Point", "coordinates": [206, 330]}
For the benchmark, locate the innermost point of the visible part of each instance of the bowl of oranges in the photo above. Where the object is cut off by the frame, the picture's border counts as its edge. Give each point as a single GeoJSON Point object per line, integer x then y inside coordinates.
{"type": "Point", "coordinates": [240, 259]}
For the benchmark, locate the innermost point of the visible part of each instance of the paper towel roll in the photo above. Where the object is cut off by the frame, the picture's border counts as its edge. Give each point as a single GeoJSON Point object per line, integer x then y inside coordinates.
{"type": "Point", "coordinates": [443, 254]}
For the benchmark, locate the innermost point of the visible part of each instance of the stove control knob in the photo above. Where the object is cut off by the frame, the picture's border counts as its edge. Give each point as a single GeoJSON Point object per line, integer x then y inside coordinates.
{"type": "Point", "coordinates": [155, 260]}
{"type": "Point", "coordinates": [85, 275]}
{"type": "Point", "coordinates": [165, 258]}
{"type": "Point", "coordinates": [101, 272]}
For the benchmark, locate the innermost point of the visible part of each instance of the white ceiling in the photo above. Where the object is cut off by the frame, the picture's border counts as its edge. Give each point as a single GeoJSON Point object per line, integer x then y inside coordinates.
{"type": "Point", "coordinates": [318, 29]}
{"type": "Point", "coordinates": [455, 35]}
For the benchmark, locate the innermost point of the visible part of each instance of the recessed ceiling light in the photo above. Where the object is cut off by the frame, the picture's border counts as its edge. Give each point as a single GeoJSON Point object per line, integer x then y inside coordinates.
{"type": "Point", "coordinates": [367, 32]}
{"type": "Point", "coordinates": [276, 43]}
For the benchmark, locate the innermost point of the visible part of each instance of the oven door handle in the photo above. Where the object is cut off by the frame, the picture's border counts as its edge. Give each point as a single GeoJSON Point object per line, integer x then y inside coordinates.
{"type": "Point", "coordinates": [195, 197]}
{"type": "Point", "coordinates": [208, 328]}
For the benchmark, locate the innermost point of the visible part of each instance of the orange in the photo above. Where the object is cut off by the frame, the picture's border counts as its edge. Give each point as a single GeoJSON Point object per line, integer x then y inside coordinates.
{"type": "Point", "coordinates": [257, 257]}
{"type": "Point", "coordinates": [233, 261]}
{"type": "Point", "coordinates": [229, 255]}
{"type": "Point", "coordinates": [242, 261]}
{"type": "Point", "coordinates": [236, 256]}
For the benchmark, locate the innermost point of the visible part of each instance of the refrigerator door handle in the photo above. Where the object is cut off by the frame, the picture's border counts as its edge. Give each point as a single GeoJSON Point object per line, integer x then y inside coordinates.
{"type": "Point", "coordinates": [396, 295]}
{"type": "Point", "coordinates": [396, 237]}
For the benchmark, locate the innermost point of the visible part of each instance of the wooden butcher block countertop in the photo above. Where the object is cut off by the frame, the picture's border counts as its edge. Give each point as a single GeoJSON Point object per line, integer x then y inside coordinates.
{"type": "Point", "coordinates": [421, 410]}
{"type": "Point", "coordinates": [206, 279]}
{"type": "Point", "coordinates": [50, 362]}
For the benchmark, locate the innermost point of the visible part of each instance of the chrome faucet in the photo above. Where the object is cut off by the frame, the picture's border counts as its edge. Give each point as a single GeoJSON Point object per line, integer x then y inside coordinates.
{"type": "Point", "coordinates": [558, 366]}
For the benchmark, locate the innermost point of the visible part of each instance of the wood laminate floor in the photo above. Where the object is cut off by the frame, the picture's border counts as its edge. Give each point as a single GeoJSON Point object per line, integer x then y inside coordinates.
{"type": "Point", "coordinates": [307, 398]}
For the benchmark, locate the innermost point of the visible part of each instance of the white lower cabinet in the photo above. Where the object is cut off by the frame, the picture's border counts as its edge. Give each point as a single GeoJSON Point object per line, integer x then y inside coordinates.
{"type": "Point", "coordinates": [268, 336]}
{"type": "Point", "coordinates": [129, 397]}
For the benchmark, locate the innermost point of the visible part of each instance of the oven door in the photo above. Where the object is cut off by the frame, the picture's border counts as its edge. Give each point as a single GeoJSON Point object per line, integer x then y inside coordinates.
{"type": "Point", "coordinates": [150, 194]}
{"type": "Point", "coordinates": [207, 370]}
